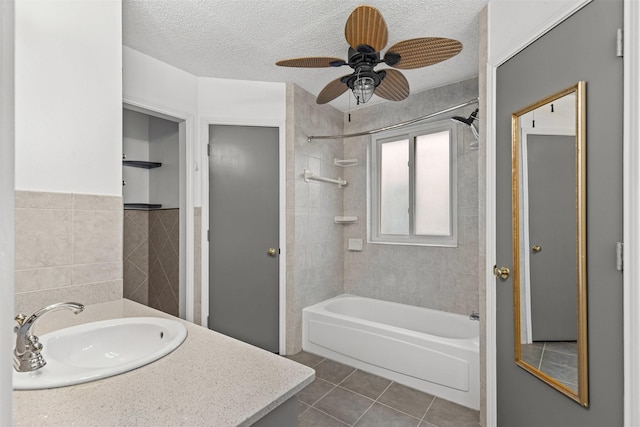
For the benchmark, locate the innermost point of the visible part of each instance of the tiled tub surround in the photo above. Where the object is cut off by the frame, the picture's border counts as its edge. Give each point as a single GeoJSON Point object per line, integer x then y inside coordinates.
{"type": "Point", "coordinates": [314, 242]}
{"type": "Point", "coordinates": [433, 277]}
{"type": "Point", "coordinates": [319, 265]}
{"type": "Point", "coordinates": [210, 380]}
{"type": "Point", "coordinates": [344, 396]}
{"type": "Point", "coordinates": [68, 247]}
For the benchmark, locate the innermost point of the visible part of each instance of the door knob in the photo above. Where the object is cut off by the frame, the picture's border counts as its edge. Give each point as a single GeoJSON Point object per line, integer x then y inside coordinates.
{"type": "Point", "coordinates": [271, 251]}
{"type": "Point", "coordinates": [501, 272]}
{"type": "Point", "coordinates": [536, 248]}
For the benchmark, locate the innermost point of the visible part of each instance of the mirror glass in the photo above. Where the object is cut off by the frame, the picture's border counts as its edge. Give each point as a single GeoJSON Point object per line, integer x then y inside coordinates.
{"type": "Point", "coordinates": [549, 278]}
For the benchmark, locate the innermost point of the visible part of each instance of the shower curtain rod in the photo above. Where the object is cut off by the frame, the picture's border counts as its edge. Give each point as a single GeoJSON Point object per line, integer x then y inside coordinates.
{"type": "Point", "coordinates": [397, 125]}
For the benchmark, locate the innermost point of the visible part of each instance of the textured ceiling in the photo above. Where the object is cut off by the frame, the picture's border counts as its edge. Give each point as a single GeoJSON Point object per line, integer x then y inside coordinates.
{"type": "Point", "coordinates": [242, 40]}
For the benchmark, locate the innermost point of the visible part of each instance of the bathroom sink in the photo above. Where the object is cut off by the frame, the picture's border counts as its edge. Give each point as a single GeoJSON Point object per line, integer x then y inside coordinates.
{"type": "Point", "coordinates": [97, 350]}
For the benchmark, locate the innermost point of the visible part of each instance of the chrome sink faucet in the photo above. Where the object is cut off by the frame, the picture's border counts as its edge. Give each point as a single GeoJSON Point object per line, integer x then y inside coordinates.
{"type": "Point", "coordinates": [27, 355]}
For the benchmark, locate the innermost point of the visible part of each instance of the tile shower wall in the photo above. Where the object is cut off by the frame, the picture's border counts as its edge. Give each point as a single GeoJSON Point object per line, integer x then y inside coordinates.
{"type": "Point", "coordinates": [68, 247]}
{"type": "Point", "coordinates": [314, 241]}
{"type": "Point", "coordinates": [136, 256]}
{"type": "Point", "coordinates": [151, 258]}
{"type": "Point", "coordinates": [434, 277]}
{"type": "Point", "coordinates": [164, 260]}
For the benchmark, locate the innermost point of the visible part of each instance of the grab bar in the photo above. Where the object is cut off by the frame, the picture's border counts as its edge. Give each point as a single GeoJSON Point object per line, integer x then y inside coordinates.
{"type": "Point", "coordinates": [308, 175]}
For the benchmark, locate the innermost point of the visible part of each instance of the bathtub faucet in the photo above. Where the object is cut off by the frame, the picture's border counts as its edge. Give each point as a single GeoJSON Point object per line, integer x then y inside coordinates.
{"type": "Point", "coordinates": [474, 315]}
{"type": "Point", "coordinates": [27, 355]}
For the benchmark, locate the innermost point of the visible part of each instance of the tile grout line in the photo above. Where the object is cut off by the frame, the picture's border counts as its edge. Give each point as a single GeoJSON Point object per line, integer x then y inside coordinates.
{"type": "Point", "coordinates": [366, 410]}
{"type": "Point", "coordinates": [374, 401]}
{"type": "Point", "coordinates": [329, 415]}
{"type": "Point", "coordinates": [427, 411]}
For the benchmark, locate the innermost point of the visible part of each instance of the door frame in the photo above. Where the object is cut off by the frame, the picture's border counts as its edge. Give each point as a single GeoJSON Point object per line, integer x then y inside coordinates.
{"type": "Point", "coordinates": [7, 208]}
{"type": "Point", "coordinates": [631, 209]}
{"type": "Point", "coordinates": [185, 131]}
{"type": "Point", "coordinates": [205, 122]}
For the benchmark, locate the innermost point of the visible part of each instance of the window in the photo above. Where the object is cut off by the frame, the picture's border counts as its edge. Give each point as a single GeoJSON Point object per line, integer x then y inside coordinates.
{"type": "Point", "coordinates": [413, 186]}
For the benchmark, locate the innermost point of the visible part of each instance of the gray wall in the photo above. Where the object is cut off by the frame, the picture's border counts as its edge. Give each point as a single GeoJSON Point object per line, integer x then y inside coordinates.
{"type": "Point", "coordinates": [581, 48]}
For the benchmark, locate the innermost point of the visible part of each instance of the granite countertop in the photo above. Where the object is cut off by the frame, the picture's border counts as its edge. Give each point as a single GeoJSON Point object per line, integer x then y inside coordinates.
{"type": "Point", "coordinates": [210, 379]}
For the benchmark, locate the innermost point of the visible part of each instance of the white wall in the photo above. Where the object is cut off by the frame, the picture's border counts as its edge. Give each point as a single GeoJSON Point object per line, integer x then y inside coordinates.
{"type": "Point", "coordinates": [135, 145]}
{"type": "Point", "coordinates": [154, 83]}
{"type": "Point", "coordinates": [164, 144]}
{"type": "Point", "coordinates": [68, 89]}
{"type": "Point", "coordinates": [241, 101]}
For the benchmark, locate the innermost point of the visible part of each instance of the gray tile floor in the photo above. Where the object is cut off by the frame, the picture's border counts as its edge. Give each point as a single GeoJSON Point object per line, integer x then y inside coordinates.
{"type": "Point", "coordinates": [344, 396]}
{"type": "Point", "coordinates": [558, 359]}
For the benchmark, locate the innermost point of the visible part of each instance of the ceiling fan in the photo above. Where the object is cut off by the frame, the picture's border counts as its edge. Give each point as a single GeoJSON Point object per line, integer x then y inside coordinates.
{"type": "Point", "coordinates": [367, 34]}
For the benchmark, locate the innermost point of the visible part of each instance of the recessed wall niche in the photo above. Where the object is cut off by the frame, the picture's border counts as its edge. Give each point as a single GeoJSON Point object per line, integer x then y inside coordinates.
{"type": "Point", "coordinates": [151, 195]}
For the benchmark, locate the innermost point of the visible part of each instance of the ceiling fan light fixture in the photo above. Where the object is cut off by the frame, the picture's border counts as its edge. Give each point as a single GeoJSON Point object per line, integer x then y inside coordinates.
{"type": "Point", "coordinates": [367, 34]}
{"type": "Point", "coordinates": [363, 89]}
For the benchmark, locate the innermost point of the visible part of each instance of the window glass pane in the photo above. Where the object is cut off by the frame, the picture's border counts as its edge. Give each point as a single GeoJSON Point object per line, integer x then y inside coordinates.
{"type": "Point", "coordinates": [432, 185]}
{"type": "Point", "coordinates": [394, 187]}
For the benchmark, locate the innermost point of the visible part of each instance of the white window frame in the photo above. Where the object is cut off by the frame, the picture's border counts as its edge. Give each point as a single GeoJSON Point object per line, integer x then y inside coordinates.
{"type": "Point", "coordinates": [373, 193]}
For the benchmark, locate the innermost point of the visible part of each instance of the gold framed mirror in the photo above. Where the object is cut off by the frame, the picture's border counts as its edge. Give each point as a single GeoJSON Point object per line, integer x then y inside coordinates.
{"type": "Point", "coordinates": [549, 241]}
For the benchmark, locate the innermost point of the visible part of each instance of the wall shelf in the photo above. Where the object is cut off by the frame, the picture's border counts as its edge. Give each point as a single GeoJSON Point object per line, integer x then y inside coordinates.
{"type": "Point", "coordinates": [141, 206]}
{"type": "Point", "coordinates": [345, 219]}
{"type": "Point", "coordinates": [141, 164]}
{"type": "Point", "coordinates": [345, 162]}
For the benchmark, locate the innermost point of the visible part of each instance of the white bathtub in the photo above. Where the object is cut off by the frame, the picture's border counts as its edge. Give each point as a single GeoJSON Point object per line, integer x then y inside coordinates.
{"type": "Point", "coordinates": [429, 350]}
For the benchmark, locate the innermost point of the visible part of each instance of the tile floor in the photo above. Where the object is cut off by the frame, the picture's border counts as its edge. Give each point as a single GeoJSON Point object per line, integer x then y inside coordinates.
{"type": "Point", "coordinates": [344, 396]}
{"type": "Point", "coordinates": [558, 359]}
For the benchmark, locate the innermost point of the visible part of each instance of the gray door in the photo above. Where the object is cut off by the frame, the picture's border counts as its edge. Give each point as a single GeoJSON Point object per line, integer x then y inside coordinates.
{"type": "Point", "coordinates": [551, 183]}
{"type": "Point", "coordinates": [243, 223]}
{"type": "Point", "coordinates": [580, 48]}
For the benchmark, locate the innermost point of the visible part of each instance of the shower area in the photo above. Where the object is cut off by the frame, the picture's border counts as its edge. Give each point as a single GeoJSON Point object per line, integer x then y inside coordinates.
{"type": "Point", "coordinates": [151, 194]}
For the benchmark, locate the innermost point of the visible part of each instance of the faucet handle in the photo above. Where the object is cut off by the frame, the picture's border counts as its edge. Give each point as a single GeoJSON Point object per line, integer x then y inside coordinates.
{"type": "Point", "coordinates": [20, 318]}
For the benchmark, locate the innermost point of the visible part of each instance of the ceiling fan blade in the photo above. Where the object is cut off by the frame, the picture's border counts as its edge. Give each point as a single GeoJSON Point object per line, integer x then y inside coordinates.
{"type": "Point", "coordinates": [421, 52]}
{"type": "Point", "coordinates": [331, 91]}
{"type": "Point", "coordinates": [366, 26]}
{"type": "Point", "coordinates": [312, 62]}
{"type": "Point", "coordinates": [393, 87]}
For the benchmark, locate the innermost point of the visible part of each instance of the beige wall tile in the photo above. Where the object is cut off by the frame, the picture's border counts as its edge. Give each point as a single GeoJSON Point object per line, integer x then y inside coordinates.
{"type": "Point", "coordinates": [43, 200]}
{"type": "Point", "coordinates": [42, 278]}
{"type": "Point", "coordinates": [97, 236]}
{"type": "Point", "coordinates": [43, 238]}
{"type": "Point", "coordinates": [65, 254]}
{"type": "Point", "coordinates": [29, 302]}
{"type": "Point", "coordinates": [91, 202]}
{"type": "Point", "coordinates": [99, 272]}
